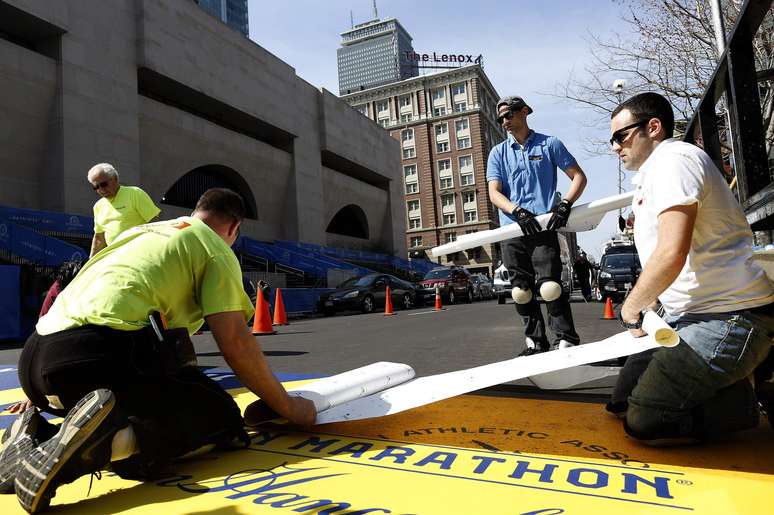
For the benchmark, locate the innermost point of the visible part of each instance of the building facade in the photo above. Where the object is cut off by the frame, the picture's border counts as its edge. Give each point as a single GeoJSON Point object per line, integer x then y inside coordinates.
{"type": "Point", "coordinates": [179, 102]}
{"type": "Point", "coordinates": [446, 125]}
{"type": "Point", "coordinates": [231, 12]}
{"type": "Point", "coordinates": [374, 53]}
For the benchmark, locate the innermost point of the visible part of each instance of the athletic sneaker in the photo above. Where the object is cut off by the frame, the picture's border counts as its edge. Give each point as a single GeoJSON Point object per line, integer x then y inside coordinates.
{"type": "Point", "coordinates": [82, 446]}
{"type": "Point", "coordinates": [532, 348]}
{"type": "Point", "coordinates": [26, 432]}
{"type": "Point", "coordinates": [562, 344]}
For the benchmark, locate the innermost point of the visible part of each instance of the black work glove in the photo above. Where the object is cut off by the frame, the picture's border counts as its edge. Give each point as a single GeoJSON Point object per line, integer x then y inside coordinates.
{"type": "Point", "coordinates": [561, 213]}
{"type": "Point", "coordinates": [526, 220]}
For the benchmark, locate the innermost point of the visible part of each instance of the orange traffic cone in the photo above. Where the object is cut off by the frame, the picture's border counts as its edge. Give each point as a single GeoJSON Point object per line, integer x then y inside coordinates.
{"type": "Point", "coordinates": [262, 321]}
{"type": "Point", "coordinates": [388, 304]}
{"type": "Point", "coordinates": [280, 317]}
{"type": "Point", "coordinates": [609, 314]}
{"type": "Point", "coordinates": [438, 305]}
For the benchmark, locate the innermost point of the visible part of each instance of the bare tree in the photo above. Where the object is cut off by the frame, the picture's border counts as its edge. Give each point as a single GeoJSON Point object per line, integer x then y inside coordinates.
{"type": "Point", "coordinates": [667, 46]}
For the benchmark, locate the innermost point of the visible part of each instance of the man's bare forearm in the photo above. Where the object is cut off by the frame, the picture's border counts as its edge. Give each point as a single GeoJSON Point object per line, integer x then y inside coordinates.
{"type": "Point", "coordinates": [577, 186]}
{"type": "Point", "coordinates": [97, 243]}
{"type": "Point", "coordinates": [243, 354]}
{"type": "Point", "coordinates": [662, 269]}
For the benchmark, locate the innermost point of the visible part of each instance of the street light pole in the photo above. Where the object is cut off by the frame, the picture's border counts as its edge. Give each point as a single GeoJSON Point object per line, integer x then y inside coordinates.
{"type": "Point", "coordinates": [618, 87]}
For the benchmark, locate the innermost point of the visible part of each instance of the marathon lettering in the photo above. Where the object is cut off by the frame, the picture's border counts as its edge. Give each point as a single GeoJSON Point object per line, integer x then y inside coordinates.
{"type": "Point", "coordinates": [518, 470]}
{"type": "Point", "coordinates": [480, 430]}
{"type": "Point", "coordinates": [442, 58]}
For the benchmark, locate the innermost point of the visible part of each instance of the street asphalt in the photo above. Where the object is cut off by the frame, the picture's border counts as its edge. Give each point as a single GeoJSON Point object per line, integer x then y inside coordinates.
{"type": "Point", "coordinates": [461, 336]}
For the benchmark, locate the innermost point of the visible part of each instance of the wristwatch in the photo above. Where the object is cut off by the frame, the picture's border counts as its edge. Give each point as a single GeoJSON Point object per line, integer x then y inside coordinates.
{"type": "Point", "coordinates": [631, 325]}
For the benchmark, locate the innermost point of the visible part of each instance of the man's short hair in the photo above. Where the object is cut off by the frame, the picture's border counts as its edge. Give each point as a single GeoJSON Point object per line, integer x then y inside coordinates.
{"type": "Point", "coordinates": [650, 105]}
{"type": "Point", "coordinates": [103, 168]}
{"type": "Point", "coordinates": [222, 202]}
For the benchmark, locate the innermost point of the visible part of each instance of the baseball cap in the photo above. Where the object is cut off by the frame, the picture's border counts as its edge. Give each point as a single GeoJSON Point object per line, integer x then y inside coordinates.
{"type": "Point", "coordinates": [514, 103]}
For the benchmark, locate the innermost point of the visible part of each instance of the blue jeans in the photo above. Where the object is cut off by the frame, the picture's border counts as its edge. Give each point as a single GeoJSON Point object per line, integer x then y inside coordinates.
{"type": "Point", "coordinates": [700, 388]}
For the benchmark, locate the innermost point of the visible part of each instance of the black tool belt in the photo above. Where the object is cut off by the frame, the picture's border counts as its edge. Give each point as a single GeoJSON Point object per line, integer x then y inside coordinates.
{"type": "Point", "coordinates": [163, 351]}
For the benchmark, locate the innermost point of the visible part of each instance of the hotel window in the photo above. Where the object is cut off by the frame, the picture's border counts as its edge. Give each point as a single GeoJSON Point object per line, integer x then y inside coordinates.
{"type": "Point", "coordinates": [445, 177]}
{"type": "Point", "coordinates": [439, 111]}
{"type": "Point", "coordinates": [449, 219]}
{"type": "Point", "coordinates": [405, 118]}
{"type": "Point", "coordinates": [461, 125]}
{"type": "Point", "coordinates": [384, 122]}
{"type": "Point", "coordinates": [412, 206]}
{"type": "Point", "coordinates": [416, 241]}
{"type": "Point", "coordinates": [409, 153]}
{"type": "Point", "coordinates": [460, 107]}
{"type": "Point", "coordinates": [362, 109]}
{"type": "Point", "coordinates": [469, 209]}
{"type": "Point", "coordinates": [458, 89]}
{"type": "Point", "coordinates": [407, 135]}
{"type": "Point", "coordinates": [382, 106]}
{"type": "Point", "coordinates": [405, 101]}
{"type": "Point", "coordinates": [442, 129]}
{"type": "Point", "coordinates": [450, 237]}
{"type": "Point", "coordinates": [412, 183]}
{"type": "Point", "coordinates": [442, 146]}
{"type": "Point", "coordinates": [415, 223]}
{"type": "Point", "coordinates": [439, 94]}
{"type": "Point", "coordinates": [447, 201]}
{"type": "Point", "coordinates": [463, 142]}
{"type": "Point", "coordinates": [466, 170]}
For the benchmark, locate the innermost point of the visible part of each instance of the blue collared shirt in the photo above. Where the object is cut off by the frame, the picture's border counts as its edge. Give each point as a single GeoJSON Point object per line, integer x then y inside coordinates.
{"type": "Point", "coordinates": [528, 174]}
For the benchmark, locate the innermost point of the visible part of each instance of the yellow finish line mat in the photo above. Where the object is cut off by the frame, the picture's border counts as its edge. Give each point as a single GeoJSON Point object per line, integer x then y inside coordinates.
{"type": "Point", "coordinates": [471, 454]}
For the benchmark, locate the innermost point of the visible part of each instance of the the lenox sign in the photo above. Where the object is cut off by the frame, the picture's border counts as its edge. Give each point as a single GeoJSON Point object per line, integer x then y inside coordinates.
{"type": "Point", "coordinates": [435, 58]}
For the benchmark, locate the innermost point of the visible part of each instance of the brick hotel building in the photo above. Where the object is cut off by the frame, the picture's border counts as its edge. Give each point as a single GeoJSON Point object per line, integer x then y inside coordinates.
{"type": "Point", "coordinates": [446, 125]}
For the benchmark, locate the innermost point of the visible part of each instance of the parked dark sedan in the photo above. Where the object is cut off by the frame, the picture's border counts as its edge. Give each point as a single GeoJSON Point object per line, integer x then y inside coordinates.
{"type": "Point", "coordinates": [367, 294]}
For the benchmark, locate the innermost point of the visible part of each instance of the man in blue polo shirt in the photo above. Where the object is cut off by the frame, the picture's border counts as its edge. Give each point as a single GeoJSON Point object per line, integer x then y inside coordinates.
{"type": "Point", "coordinates": [521, 173]}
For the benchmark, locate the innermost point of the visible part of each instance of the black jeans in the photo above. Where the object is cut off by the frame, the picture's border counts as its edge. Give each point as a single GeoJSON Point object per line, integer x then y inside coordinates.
{"type": "Point", "coordinates": [171, 414]}
{"type": "Point", "coordinates": [532, 260]}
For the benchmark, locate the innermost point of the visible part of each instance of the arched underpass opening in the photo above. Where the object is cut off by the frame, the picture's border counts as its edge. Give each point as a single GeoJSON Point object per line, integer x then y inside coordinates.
{"type": "Point", "coordinates": [351, 221]}
{"type": "Point", "coordinates": [188, 188]}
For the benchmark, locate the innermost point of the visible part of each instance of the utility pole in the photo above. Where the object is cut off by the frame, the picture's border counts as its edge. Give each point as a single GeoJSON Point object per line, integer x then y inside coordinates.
{"type": "Point", "coordinates": [618, 89]}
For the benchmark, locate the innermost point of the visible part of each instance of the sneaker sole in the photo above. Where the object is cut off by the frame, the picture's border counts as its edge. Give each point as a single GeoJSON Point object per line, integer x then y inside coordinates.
{"type": "Point", "coordinates": [16, 442]}
{"type": "Point", "coordinates": [11, 461]}
{"type": "Point", "coordinates": [43, 463]}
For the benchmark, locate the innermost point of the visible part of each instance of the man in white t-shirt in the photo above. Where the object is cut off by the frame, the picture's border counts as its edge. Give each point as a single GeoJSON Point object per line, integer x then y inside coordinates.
{"type": "Point", "coordinates": [695, 246]}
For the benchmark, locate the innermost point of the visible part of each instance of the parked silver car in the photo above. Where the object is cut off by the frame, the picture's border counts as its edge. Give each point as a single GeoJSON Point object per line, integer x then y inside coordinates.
{"type": "Point", "coordinates": [482, 287]}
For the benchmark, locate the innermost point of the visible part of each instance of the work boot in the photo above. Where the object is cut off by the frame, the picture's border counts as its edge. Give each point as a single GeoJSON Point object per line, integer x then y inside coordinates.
{"type": "Point", "coordinates": [532, 348]}
{"type": "Point", "coordinates": [82, 446]}
{"type": "Point", "coordinates": [26, 432]}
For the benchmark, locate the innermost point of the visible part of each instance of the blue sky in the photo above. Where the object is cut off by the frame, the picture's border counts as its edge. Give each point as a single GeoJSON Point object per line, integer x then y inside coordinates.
{"type": "Point", "coordinates": [529, 48]}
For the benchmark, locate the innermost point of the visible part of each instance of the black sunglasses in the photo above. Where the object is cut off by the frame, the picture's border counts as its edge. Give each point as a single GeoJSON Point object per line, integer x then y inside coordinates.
{"type": "Point", "coordinates": [507, 115]}
{"type": "Point", "coordinates": [619, 136]}
{"type": "Point", "coordinates": [99, 185]}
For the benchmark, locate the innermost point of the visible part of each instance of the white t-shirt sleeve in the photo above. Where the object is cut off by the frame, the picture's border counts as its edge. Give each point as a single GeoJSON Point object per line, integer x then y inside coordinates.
{"type": "Point", "coordinates": [678, 180]}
